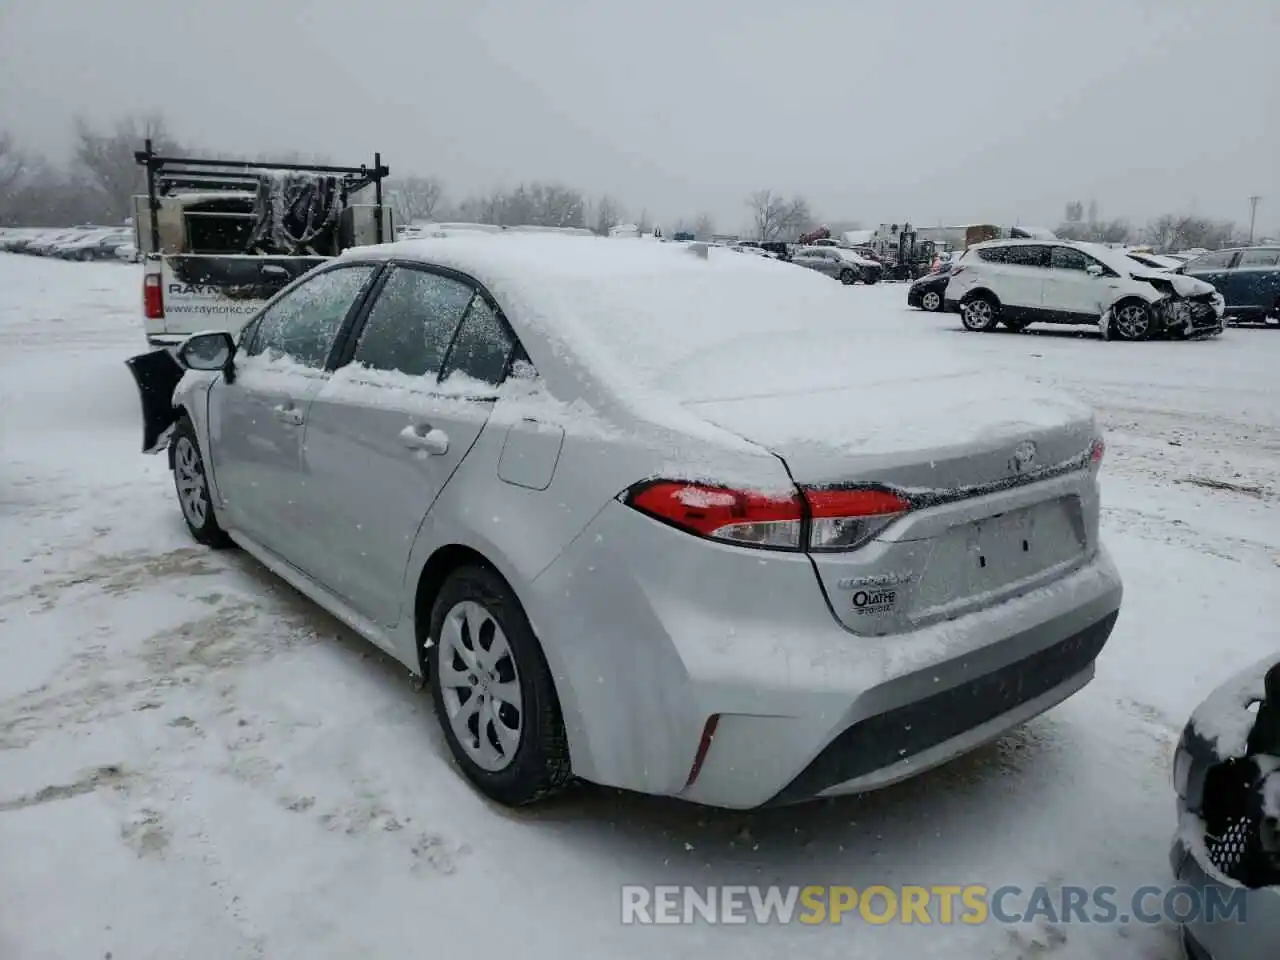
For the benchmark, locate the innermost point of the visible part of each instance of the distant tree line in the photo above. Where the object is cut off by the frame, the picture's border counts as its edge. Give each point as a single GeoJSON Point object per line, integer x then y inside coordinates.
{"type": "Point", "coordinates": [98, 184]}
{"type": "Point", "coordinates": [1168, 232]}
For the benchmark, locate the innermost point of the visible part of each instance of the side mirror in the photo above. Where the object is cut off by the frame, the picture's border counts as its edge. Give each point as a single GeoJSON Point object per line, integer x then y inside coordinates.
{"type": "Point", "coordinates": [1094, 270]}
{"type": "Point", "coordinates": [273, 271]}
{"type": "Point", "coordinates": [207, 351]}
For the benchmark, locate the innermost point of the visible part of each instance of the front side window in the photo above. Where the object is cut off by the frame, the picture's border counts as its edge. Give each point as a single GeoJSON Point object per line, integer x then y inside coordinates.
{"type": "Point", "coordinates": [482, 347]}
{"type": "Point", "coordinates": [1213, 261]}
{"type": "Point", "coordinates": [303, 324]}
{"type": "Point", "coordinates": [1025, 255]}
{"type": "Point", "coordinates": [412, 322]}
{"type": "Point", "coordinates": [994, 254]}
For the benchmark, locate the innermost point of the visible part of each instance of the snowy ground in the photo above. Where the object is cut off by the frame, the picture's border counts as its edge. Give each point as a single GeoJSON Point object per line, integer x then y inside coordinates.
{"type": "Point", "coordinates": [195, 762]}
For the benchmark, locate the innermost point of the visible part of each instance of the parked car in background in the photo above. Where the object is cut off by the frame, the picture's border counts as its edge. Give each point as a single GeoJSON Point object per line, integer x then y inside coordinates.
{"type": "Point", "coordinates": [44, 244]}
{"type": "Point", "coordinates": [929, 292]}
{"type": "Point", "coordinates": [98, 245]}
{"type": "Point", "coordinates": [847, 266]}
{"type": "Point", "coordinates": [690, 458]}
{"type": "Point", "coordinates": [1226, 773]}
{"type": "Point", "coordinates": [1248, 279]}
{"type": "Point", "coordinates": [1020, 282]}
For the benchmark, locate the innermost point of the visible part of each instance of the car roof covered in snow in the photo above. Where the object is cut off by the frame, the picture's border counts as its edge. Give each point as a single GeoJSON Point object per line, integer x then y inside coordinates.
{"type": "Point", "coordinates": [650, 322]}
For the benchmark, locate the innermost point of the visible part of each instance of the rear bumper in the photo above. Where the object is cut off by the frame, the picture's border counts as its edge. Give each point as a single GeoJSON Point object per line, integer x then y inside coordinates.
{"type": "Point", "coordinates": [674, 631]}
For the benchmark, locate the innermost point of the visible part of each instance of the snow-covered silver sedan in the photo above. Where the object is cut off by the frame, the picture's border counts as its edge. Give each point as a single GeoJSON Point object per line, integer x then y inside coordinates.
{"type": "Point", "coordinates": [658, 516]}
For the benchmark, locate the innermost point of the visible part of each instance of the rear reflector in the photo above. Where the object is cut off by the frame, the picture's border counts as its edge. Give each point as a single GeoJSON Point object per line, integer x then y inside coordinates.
{"type": "Point", "coordinates": [836, 519]}
{"type": "Point", "coordinates": [1097, 451]}
{"type": "Point", "coordinates": [708, 734]}
{"type": "Point", "coordinates": [152, 297]}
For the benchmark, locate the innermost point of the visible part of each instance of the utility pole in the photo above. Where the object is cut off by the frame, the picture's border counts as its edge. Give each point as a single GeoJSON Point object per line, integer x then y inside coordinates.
{"type": "Point", "coordinates": [1253, 215]}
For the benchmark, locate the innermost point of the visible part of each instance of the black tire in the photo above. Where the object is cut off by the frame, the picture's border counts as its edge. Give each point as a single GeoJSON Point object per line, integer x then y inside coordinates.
{"type": "Point", "coordinates": [1131, 321]}
{"type": "Point", "coordinates": [847, 277]}
{"type": "Point", "coordinates": [539, 766]}
{"type": "Point", "coordinates": [980, 313]}
{"type": "Point", "coordinates": [937, 302]}
{"type": "Point", "coordinates": [870, 278]}
{"type": "Point", "coordinates": [1015, 326]}
{"type": "Point", "coordinates": [190, 482]}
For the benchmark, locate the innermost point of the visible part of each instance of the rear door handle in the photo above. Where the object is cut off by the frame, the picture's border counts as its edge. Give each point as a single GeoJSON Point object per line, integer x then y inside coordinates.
{"type": "Point", "coordinates": [424, 437]}
{"type": "Point", "coordinates": [287, 413]}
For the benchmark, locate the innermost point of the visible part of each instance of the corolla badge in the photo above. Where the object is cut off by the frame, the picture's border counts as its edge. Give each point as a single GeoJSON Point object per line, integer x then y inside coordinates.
{"type": "Point", "coordinates": [1024, 455]}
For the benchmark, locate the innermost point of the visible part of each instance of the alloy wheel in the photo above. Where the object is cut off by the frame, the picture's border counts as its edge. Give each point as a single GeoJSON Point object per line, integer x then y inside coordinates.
{"type": "Point", "coordinates": [480, 686]}
{"type": "Point", "coordinates": [189, 474]}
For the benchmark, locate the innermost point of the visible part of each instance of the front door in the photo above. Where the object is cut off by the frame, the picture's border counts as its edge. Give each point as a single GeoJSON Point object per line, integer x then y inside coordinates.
{"type": "Point", "coordinates": [1071, 292]}
{"type": "Point", "coordinates": [256, 421]}
{"type": "Point", "coordinates": [386, 433]}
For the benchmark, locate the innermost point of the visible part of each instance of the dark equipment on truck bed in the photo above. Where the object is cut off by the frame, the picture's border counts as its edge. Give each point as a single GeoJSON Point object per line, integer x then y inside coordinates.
{"type": "Point", "coordinates": [230, 207]}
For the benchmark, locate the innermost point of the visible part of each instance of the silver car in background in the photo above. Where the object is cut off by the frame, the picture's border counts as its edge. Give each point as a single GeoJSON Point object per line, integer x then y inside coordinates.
{"type": "Point", "coordinates": [847, 266]}
{"type": "Point", "coordinates": [647, 515]}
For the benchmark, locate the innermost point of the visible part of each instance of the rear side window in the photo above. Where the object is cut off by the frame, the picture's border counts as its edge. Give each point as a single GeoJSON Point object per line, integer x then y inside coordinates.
{"type": "Point", "coordinates": [1025, 255]}
{"type": "Point", "coordinates": [994, 254]}
{"type": "Point", "coordinates": [1260, 258]}
{"type": "Point", "coordinates": [412, 322]}
{"type": "Point", "coordinates": [482, 347]}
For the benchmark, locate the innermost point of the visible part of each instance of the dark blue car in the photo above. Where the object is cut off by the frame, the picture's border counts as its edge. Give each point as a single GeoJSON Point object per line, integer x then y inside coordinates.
{"type": "Point", "coordinates": [1248, 279]}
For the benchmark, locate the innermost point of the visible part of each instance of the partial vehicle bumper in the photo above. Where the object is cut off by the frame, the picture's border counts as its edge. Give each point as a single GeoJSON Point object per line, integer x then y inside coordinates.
{"type": "Point", "coordinates": [719, 674]}
{"type": "Point", "coordinates": [1219, 938]}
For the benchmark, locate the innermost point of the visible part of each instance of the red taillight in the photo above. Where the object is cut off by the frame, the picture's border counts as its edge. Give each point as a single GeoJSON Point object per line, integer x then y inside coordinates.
{"type": "Point", "coordinates": [1097, 451]}
{"type": "Point", "coordinates": [152, 297]}
{"type": "Point", "coordinates": [837, 519]}
{"type": "Point", "coordinates": [739, 516]}
{"type": "Point", "coordinates": [846, 519]}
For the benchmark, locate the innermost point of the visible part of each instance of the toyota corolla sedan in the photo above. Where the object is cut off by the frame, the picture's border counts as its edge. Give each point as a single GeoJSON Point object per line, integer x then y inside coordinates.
{"type": "Point", "coordinates": [649, 515]}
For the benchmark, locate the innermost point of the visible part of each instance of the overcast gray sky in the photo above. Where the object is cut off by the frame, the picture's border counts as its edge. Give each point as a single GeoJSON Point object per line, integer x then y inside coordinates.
{"type": "Point", "coordinates": [959, 110]}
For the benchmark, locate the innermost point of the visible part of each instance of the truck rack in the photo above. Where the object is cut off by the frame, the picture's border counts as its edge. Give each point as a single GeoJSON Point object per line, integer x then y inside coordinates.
{"type": "Point", "coordinates": [165, 173]}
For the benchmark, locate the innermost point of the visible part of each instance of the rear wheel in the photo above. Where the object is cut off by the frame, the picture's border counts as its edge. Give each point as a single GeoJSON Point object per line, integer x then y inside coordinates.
{"type": "Point", "coordinates": [493, 691]}
{"type": "Point", "coordinates": [192, 485]}
{"type": "Point", "coordinates": [980, 313]}
{"type": "Point", "coordinates": [847, 277]}
{"type": "Point", "coordinates": [931, 301]}
{"type": "Point", "coordinates": [1131, 320]}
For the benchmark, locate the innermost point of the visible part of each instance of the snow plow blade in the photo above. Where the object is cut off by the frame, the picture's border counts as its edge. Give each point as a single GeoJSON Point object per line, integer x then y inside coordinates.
{"type": "Point", "coordinates": [157, 374]}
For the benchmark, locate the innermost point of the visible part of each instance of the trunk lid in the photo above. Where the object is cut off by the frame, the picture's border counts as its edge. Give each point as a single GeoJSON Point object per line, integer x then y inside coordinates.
{"type": "Point", "coordinates": [934, 434]}
{"type": "Point", "coordinates": [998, 470]}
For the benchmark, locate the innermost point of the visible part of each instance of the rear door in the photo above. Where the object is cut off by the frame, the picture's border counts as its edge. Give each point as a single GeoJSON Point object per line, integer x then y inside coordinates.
{"type": "Point", "coordinates": [1023, 271]}
{"type": "Point", "coordinates": [256, 420]}
{"type": "Point", "coordinates": [386, 433]}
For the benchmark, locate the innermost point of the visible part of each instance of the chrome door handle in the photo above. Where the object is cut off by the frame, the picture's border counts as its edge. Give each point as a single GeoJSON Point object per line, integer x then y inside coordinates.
{"type": "Point", "coordinates": [423, 437]}
{"type": "Point", "coordinates": [289, 414]}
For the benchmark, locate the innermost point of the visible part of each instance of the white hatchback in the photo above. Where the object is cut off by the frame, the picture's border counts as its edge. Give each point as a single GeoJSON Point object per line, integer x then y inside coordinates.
{"type": "Point", "coordinates": [1020, 282]}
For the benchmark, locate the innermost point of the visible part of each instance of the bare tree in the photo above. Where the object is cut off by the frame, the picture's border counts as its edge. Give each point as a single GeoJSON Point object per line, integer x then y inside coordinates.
{"type": "Point", "coordinates": [107, 156]}
{"type": "Point", "coordinates": [644, 224]}
{"type": "Point", "coordinates": [12, 165]}
{"type": "Point", "coordinates": [1074, 212]}
{"type": "Point", "coordinates": [534, 204]}
{"type": "Point", "coordinates": [1172, 232]}
{"type": "Point", "coordinates": [415, 198]}
{"type": "Point", "coordinates": [704, 227]}
{"type": "Point", "coordinates": [609, 214]}
{"type": "Point", "coordinates": [773, 216]}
